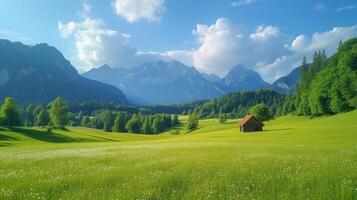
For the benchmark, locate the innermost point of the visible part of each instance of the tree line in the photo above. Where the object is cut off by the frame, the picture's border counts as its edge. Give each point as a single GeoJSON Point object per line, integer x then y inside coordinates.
{"type": "Point", "coordinates": [56, 114]}
{"type": "Point", "coordinates": [237, 105]}
{"type": "Point", "coordinates": [129, 122]}
{"type": "Point", "coordinates": [329, 85]}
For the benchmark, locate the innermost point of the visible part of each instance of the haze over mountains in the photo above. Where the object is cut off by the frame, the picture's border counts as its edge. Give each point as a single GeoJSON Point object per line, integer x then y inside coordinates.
{"type": "Point", "coordinates": [173, 82]}
{"type": "Point", "coordinates": [40, 73]}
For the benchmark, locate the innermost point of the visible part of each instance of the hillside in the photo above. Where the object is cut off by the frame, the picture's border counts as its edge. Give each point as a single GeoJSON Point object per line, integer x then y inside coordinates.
{"type": "Point", "coordinates": [40, 73]}
{"type": "Point", "coordinates": [213, 162]}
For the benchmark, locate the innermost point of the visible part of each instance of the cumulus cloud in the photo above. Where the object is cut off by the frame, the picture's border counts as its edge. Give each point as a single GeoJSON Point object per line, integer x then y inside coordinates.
{"type": "Point", "coordinates": [304, 45]}
{"type": "Point", "coordinates": [242, 2]}
{"type": "Point", "coordinates": [135, 10]}
{"type": "Point", "coordinates": [97, 45]}
{"type": "Point", "coordinates": [222, 46]}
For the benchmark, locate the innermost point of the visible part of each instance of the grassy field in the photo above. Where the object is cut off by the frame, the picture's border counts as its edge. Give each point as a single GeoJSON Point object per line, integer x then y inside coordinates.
{"type": "Point", "coordinates": [294, 158]}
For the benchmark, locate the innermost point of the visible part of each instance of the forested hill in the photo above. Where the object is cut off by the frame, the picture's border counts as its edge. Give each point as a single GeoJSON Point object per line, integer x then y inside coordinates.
{"type": "Point", "coordinates": [237, 105]}
{"type": "Point", "coordinates": [329, 86]}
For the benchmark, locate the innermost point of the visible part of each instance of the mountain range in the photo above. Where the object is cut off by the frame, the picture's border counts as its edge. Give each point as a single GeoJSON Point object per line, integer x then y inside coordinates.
{"type": "Point", "coordinates": [173, 82]}
{"type": "Point", "coordinates": [40, 73]}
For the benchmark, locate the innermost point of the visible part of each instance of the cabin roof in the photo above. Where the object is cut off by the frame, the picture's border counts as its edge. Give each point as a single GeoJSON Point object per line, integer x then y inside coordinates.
{"type": "Point", "coordinates": [247, 118]}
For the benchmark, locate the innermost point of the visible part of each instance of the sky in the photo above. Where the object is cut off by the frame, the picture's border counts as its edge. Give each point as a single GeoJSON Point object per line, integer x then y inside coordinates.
{"type": "Point", "coordinates": [268, 36]}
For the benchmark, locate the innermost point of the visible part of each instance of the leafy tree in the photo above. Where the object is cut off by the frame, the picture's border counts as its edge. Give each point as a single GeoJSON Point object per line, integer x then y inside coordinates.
{"type": "Point", "coordinates": [9, 113]}
{"type": "Point", "coordinates": [59, 113]}
{"type": "Point", "coordinates": [261, 112]}
{"type": "Point", "coordinates": [222, 117]}
{"type": "Point", "coordinates": [108, 121]}
{"type": "Point", "coordinates": [192, 122]}
{"type": "Point", "coordinates": [86, 122]}
{"type": "Point", "coordinates": [119, 123]}
{"type": "Point", "coordinates": [146, 126]}
{"type": "Point", "coordinates": [175, 120]}
{"type": "Point", "coordinates": [29, 116]}
{"type": "Point", "coordinates": [134, 124]}
{"type": "Point", "coordinates": [43, 118]}
{"type": "Point", "coordinates": [156, 125]}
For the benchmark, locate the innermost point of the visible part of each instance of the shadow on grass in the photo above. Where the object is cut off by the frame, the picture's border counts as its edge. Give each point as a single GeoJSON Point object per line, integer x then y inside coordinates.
{"type": "Point", "coordinates": [44, 136]}
{"type": "Point", "coordinates": [189, 131]}
{"type": "Point", "coordinates": [5, 144]}
{"type": "Point", "coordinates": [6, 138]}
{"type": "Point", "coordinates": [281, 129]}
{"type": "Point", "coordinates": [103, 138]}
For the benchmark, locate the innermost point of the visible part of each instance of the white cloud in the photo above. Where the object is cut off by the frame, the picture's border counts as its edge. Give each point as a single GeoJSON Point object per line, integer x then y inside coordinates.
{"type": "Point", "coordinates": [135, 10]}
{"type": "Point", "coordinates": [242, 2]}
{"type": "Point", "coordinates": [321, 7]}
{"type": "Point", "coordinates": [345, 8]}
{"type": "Point", "coordinates": [302, 46]}
{"type": "Point", "coordinates": [96, 45]}
{"type": "Point", "coordinates": [222, 47]}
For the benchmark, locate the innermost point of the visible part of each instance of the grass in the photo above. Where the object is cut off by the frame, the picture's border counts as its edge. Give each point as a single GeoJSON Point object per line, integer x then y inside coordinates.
{"type": "Point", "coordinates": [294, 158]}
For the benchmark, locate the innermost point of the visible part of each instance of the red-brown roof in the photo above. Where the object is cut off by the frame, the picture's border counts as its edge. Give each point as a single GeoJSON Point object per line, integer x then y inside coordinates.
{"type": "Point", "coordinates": [246, 119]}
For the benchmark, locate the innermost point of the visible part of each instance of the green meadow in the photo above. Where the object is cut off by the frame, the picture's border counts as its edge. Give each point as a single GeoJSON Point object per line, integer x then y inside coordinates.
{"type": "Point", "coordinates": [294, 158]}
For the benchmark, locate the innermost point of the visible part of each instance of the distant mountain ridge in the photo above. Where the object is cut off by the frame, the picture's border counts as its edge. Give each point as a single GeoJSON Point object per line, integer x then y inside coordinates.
{"type": "Point", "coordinates": [173, 82]}
{"type": "Point", "coordinates": [158, 83]}
{"type": "Point", "coordinates": [287, 84]}
{"type": "Point", "coordinates": [240, 78]}
{"type": "Point", "coordinates": [40, 73]}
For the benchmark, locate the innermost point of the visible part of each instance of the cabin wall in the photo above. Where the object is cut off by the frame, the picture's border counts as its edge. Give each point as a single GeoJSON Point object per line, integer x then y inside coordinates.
{"type": "Point", "coordinates": [251, 127]}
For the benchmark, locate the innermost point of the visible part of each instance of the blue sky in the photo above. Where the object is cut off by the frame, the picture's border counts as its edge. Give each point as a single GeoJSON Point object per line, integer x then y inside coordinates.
{"type": "Point", "coordinates": [269, 36]}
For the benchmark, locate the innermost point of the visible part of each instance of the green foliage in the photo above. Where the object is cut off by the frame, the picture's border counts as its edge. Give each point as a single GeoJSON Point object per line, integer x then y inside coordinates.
{"type": "Point", "coordinates": [237, 105]}
{"type": "Point", "coordinates": [261, 112]}
{"type": "Point", "coordinates": [108, 121]}
{"type": "Point", "coordinates": [43, 118]}
{"type": "Point", "coordinates": [9, 113]}
{"type": "Point", "coordinates": [330, 85]}
{"type": "Point", "coordinates": [175, 120]}
{"type": "Point", "coordinates": [134, 124]}
{"type": "Point", "coordinates": [192, 122]}
{"type": "Point", "coordinates": [119, 123]}
{"type": "Point", "coordinates": [222, 117]}
{"type": "Point", "coordinates": [29, 115]}
{"type": "Point", "coordinates": [146, 126]}
{"type": "Point", "coordinates": [59, 113]}
{"type": "Point", "coordinates": [86, 122]}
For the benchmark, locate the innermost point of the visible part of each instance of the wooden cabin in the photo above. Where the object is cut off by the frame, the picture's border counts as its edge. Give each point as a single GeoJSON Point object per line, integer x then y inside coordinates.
{"type": "Point", "coordinates": [250, 124]}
